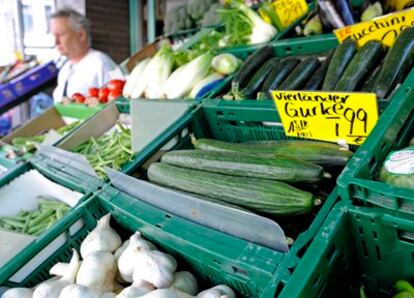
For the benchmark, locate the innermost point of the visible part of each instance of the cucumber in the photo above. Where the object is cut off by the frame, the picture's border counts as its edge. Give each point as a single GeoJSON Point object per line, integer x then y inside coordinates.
{"type": "Point", "coordinates": [342, 56]}
{"type": "Point", "coordinates": [324, 154]}
{"type": "Point", "coordinates": [257, 79]}
{"type": "Point", "coordinates": [249, 67]}
{"type": "Point", "coordinates": [316, 80]}
{"type": "Point", "coordinates": [261, 195]}
{"type": "Point", "coordinates": [277, 75]}
{"type": "Point", "coordinates": [280, 168]}
{"type": "Point", "coordinates": [300, 75]}
{"type": "Point", "coordinates": [361, 64]}
{"type": "Point", "coordinates": [397, 63]}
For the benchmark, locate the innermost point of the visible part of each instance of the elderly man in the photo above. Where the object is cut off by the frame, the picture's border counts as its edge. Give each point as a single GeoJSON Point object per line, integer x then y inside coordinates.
{"type": "Point", "coordinates": [85, 66]}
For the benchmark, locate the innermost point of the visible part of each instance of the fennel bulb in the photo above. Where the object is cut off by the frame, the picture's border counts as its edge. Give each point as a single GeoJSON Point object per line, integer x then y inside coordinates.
{"type": "Point", "coordinates": [102, 238]}
{"type": "Point", "coordinates": [183, 79]}
{"type": "Point", "coordinates": [134, 78]}
{"type": "Point", "coordinates": [159, 69]}
{"type": "Point", "coordinates": [225, 63]}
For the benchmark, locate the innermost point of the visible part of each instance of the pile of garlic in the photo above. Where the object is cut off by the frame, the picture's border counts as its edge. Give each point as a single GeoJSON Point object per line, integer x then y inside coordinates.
{"type": "Point", "coordinates": [109, 265]}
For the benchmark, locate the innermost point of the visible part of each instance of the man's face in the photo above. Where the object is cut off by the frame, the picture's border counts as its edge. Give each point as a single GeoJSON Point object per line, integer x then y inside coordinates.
{"type": "Point", "coordinates": [67, 40]}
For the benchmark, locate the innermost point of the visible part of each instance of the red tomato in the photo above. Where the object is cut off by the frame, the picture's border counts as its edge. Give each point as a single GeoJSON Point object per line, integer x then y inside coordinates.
{"type": "Point", "coordinates": [114, 94]}
{"type": "Point", "coordinates": [78, 98]}
{"type": "Point", "coordinates": [103, 95]}
{"type": "Point", "coordinates": [116, 84]}
{"type": "Point", "coordinates": [93, 92]}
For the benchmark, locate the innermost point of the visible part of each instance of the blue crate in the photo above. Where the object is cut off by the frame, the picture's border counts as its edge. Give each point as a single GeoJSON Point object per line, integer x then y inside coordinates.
{"type": "Point", "coordinates": [34, 78]}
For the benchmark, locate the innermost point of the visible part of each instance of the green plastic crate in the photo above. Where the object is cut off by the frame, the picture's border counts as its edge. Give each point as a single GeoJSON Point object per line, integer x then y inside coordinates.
{"type": "Point", "coordinates": [60, 174]}
{"type": "Point", "coordinates": [356, 246]}
{"type": "Point", "coordinates": [213, 256]}
{"type": "Point", "coordinates": [394, 130]}
{"type": "Point", "coordinates": [240, 122]}
{"type": "Point", "coordinates": [314, 45]}
{"type": "Point", "coordinates": [78, 111]}
{"type": "Point", "coordinates": [140, 157]}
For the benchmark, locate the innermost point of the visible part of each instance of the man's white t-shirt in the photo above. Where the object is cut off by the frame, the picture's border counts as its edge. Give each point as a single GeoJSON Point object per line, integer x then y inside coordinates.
{"type": "Point", "coordinates": [94, 70]}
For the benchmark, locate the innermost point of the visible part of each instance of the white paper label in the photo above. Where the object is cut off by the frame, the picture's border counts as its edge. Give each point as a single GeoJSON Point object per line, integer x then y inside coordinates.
{"type": "Point", "coordinates": [401, 162]}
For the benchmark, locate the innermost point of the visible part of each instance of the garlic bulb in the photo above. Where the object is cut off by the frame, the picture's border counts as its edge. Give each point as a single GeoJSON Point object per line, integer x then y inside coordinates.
{"type": "Point", "coordinates": [102, 238]}
{"type": "Point", "coordinates": [167, 293]}
{"type": "Point", "coordinates": [217, 292]}
{"type": "Point", "coordinates": [98, 272]}
{"type": "Point", "coordinates": [185, 282]}
{"type": "Point", "coordinates": [132, 292]}
{"type": "Point", "coordinates": [77, 291]}
{"type": "Point", "coordinates": [155, 267]}
{"type": "Point", "coordinates": [18, 293]}
{"type": "Point", "coordinates": [128, 258]}
{"type": "Point", "coordinates": [52, 287]}
{"type": "Point", "coordinates": [109, 295]}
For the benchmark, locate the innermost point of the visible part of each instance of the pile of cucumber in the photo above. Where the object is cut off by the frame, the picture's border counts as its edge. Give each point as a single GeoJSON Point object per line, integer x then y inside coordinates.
{"type": "Point", "coordinates": [370, 68]}
{"type": "Point", "coordinates": [263, 177]}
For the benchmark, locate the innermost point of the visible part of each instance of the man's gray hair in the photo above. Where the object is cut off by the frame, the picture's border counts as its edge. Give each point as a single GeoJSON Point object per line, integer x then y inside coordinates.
{"type": "Point", "coordinates": [77, 20]}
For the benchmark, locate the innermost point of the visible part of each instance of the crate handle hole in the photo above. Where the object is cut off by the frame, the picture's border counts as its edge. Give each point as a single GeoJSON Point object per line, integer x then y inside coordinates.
{"type": "Point", "coordinates": [239, 271]}
{"type": "Point", "coordinates": [364, 248]}
{"type": "Point", "coordinates": [168, 216]}
{"type": "Point", "coordinates": [159, 226]}
{"type": "Point", "coordinates": [379, 257]}
{"type": "Point", "coordinates": [375, 235]}
{"type": "Point", "coordinates": [361, 231]}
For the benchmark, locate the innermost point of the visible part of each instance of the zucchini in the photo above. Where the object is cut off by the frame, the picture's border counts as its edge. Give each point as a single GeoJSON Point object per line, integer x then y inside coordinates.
{"type": "Point", "coordinates": [277, 75]}
{"type": "Point", "coordinates": [372, 78]}
{"type": "Point", "coordinates": [361, 64]}
{"type": "Point", "coordinates": [280, 168]}
{"type": "Point", "coordinates": [316, 80]}
{"type": "Point", "coordinates": [301, 74]}
{"type": "Point", "coordinates": [397, 63]}
{"type": "Point", "coordinates": [321, 153]}
{"type": "Point", "coordinates": [262, 195]}
{"type": "Point", "coordinates": [342, 56]}
{"type": "Point", "coordinates": [257, 79]}
{"type": "Point", "coordinates": [249, 67]}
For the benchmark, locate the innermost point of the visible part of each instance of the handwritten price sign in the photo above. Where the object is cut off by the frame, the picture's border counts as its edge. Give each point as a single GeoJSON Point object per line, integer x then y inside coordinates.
{"type": "Point", "coordinates": [288, 11]}
{"type": "Point", "coordinates": [385, 29]}
{"type": "Point", "coordinates": [327, 116]}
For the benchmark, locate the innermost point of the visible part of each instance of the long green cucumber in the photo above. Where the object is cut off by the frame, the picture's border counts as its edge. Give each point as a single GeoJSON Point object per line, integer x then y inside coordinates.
{"type": "Point", "coordinates": [316, 80]}
{"type": "Point", "coordinates": [249, 67]}
{"type": "Point", "coordinates": [257, 79]}
{"type": "Point", "coordinates": [262, 195]}
{"type": "Point", "coordinates": [340, 60]}
{"type": "Point", "coordinates": [301, 74]}
{"type": "Point", "coordinates": [361, 64]}
{"type": "Point", "coordinates": [277, 75]}
{"type": "Point", "coordinates": [397, 62]}
{"type": "Point", "coordinates": [280, 168]}
{"type": "Point", "coordinates": [321, 153]}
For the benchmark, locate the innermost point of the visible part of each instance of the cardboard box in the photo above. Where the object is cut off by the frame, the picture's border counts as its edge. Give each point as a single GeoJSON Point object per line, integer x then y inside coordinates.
{"type": "Point", "coordinates": [51, 119]}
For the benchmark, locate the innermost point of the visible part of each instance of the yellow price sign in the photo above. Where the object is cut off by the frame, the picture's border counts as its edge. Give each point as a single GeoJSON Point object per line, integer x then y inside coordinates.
{"type": "Point", "coordinates": [327, 116]}
{"type": "Point", "coordinates": [288, 11]}
{"type": "Point", "coordinates": [385, 28]}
